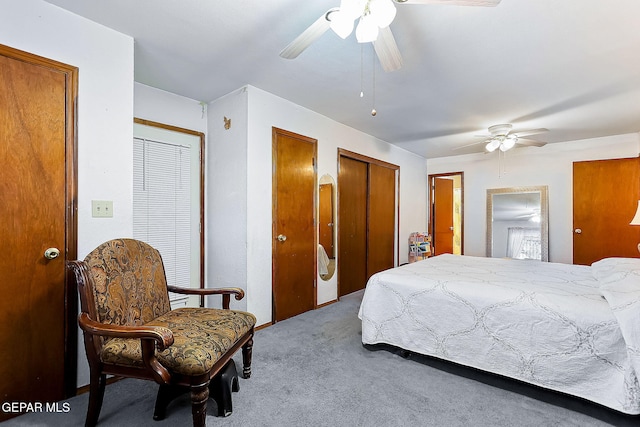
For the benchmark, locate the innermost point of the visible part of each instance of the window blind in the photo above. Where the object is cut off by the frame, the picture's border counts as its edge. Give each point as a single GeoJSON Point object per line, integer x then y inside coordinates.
{"type": "Point", "coordinates": [161, 203]}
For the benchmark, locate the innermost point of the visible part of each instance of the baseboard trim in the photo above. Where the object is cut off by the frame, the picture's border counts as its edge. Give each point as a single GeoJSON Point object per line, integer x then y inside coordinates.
{"type": "Point", "coordinates": [326, 303]}
{"type": "Point", "coordinates": [85, 388]}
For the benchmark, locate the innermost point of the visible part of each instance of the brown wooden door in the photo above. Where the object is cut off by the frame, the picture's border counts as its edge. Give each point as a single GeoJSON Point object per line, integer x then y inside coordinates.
{"type": "Point", "coordinates": [294, 236]}
{"type": "Point", "coordinates": [37, 188]}
{"type": "Point", "coordinates": [325, 218]}
{"type": "Point", "coordinates": [352, 225]}
{"type": "Point", "coordinates": [605, 198]}
{"type": "Point", "coordinates": [366, 219]}
{"type": "Point", "coordinates": [381, 222]}
{"type": "Point", "coordinates": [443, 216]}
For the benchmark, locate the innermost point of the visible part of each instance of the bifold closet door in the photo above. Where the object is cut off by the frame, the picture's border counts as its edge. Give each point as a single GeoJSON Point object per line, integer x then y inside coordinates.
{"type": "Point", "coordinates": [352, 217]}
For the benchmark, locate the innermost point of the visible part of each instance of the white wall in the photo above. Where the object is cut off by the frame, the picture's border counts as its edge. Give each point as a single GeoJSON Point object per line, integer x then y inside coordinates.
{"type": "Point", "coordinates": [105, 109]}
{"type": "Point", "coordinates": [551, 165]}
{"type": "Point", "coordinates": [226, 194]}
{"type": "Point", "coordinates": [165, 107]}
{"type": "Point", "coordinates": [266, 111]}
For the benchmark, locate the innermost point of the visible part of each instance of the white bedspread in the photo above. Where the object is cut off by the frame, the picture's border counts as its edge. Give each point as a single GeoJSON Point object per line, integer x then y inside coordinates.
{"type": "Point", "coordinates": [544, 323]}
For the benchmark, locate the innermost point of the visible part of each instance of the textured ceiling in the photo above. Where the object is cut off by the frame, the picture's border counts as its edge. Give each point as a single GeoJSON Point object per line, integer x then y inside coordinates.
{"type": "Point", "coordinates": [572, 66]}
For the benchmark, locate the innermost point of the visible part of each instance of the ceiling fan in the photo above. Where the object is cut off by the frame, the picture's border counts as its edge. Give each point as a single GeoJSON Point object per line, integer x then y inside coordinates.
{"type": "Point", "coordinates": [374, 18]}
{"type": "Point", "coordinates": [503, 137]}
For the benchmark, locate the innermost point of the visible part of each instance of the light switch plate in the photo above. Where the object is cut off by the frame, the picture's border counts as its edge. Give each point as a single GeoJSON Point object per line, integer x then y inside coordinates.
{"type": "Point", "coordinates": [102, 208]}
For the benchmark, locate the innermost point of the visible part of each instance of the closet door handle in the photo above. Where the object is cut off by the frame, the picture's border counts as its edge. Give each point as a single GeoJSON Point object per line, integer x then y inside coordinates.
{"type": "Point", "coordinates": [281, 237]}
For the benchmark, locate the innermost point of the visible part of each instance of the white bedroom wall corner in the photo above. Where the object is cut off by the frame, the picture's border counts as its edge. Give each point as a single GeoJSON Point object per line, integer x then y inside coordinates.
{"type": "Point", "coordinates": [226, 197]}
{"type": "Point", "coordinates": [259, 202]}
{"type": "Point", "coordinates": [168, 108]}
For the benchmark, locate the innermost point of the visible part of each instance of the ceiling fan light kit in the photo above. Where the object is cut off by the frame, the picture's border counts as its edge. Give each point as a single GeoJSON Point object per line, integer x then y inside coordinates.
{"type": "Point", "coordinates": [372, 15]}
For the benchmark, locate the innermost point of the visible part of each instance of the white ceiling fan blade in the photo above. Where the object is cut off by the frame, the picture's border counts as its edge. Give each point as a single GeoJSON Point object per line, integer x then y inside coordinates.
{"type": "Point", "coordinates": [387, 50]}
{"type": "Point", "coordinates": [472, 144]}
{"type": "Point", "coordinates": [526, 132]}
{"type": "Point", "coordinates": [530, 143]}
{"type": "Point", "coordinates": [453, 2]}
{"type": "Point", "coordinates": [308, 36]}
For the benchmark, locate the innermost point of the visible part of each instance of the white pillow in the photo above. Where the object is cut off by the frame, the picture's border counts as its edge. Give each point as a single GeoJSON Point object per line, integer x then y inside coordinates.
{"type": "Point", "coordinates": [613, 273]}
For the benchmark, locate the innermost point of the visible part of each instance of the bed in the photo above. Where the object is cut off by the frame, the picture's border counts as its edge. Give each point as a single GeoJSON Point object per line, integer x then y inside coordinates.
{"type": "Point", "coordinates": [569, 328]}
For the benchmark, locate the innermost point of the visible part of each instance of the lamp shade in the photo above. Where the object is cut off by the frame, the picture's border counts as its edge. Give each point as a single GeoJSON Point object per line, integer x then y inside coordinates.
{"type": "Point", "coordinates": [341, 24]}
{"type": "Point", "coordinates": [352, 9]}
{"type": "Point", "coordinates": [636, 218]}
{"type": "Point", "coordinates": [383, 12]}
{"type": "Point", "coordinates": [492, 145]}
{"type": "Point", "coordinates": [367, 30]}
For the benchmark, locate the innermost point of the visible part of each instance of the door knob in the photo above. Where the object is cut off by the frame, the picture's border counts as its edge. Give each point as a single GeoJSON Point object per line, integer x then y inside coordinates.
{"type": "Point", "coordinates": [578, 231]}
{"type": "Point", "coordinates": [281, 237]}
{"type": "Point", "coordinates": [52, 253]}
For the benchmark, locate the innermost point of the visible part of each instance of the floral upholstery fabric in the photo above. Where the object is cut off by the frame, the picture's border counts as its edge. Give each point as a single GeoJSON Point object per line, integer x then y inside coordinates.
{"type": "Point", "coordinates": [130, 289]}
{"type": "Point", "coordinates": [201, 337]}
{"type": "Point", "coordinates": [130, 283]}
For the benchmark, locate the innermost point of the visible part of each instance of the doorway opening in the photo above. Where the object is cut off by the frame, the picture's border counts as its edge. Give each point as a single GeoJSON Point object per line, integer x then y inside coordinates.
{"type": "Point", "coordinates": [446, 213]}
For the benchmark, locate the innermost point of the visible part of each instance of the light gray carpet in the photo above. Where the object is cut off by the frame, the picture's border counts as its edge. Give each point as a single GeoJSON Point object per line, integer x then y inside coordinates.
{"type": "Point", "coordinates": [312, 370]}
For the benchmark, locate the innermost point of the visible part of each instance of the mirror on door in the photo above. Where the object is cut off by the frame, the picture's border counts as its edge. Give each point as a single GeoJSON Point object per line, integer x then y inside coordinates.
{"type": "Point", "coordinates": [326, 229]}
{"type": "Point", "coordinates": [517, 223]}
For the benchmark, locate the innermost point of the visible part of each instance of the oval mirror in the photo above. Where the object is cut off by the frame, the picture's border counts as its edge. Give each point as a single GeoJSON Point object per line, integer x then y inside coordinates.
{"type": "Point", "coordinates": [517, 223]}
{"type": "Point", "coordinates": [326, 230]}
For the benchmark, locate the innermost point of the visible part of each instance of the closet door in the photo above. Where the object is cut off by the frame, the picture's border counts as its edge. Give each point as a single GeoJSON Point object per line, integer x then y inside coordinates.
{"type": "Point", "coordinates": [366, 219]}
{"type": "Point", "coordinates": [352, 227]}
{"type": "Point", "coordinates": [381, 223]}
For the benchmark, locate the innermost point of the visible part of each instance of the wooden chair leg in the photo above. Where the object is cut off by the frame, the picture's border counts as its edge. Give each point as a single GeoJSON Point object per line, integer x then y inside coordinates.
{"type": "Point", "coordinates": [247, 350]}
{"type": "Point", "coordinates": [199, 397]}
{"type": "Point", "coordinates": [96, 394]}
{"type": "Point", "coordinates": [166, 393]}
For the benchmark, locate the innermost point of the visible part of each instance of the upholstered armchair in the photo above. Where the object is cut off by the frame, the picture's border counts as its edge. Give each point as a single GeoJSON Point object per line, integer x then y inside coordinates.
{"type": "Point", "coordinates": [130, 330]}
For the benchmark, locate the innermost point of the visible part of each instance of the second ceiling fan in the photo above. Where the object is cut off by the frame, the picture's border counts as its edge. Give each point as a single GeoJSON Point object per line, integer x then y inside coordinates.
{"type": "Point", "coordinates": [374, 18]}
{"type": "Point", "coordinates": [504, 138]}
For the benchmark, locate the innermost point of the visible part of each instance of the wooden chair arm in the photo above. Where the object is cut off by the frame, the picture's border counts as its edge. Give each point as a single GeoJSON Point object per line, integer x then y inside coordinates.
{"type": "Point", "coordinates": [225, 292]}
{"type": "Point", "coordinates": [239, 293]}
{"type": "Point", "coordinates": [162, 336]}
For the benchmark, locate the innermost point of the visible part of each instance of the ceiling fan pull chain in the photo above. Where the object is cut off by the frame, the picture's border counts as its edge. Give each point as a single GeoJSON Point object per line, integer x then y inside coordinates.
{"type": "Point", "coordinates": [361, 70]}
{"type": "Point", "coordinates": [373, 95]}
